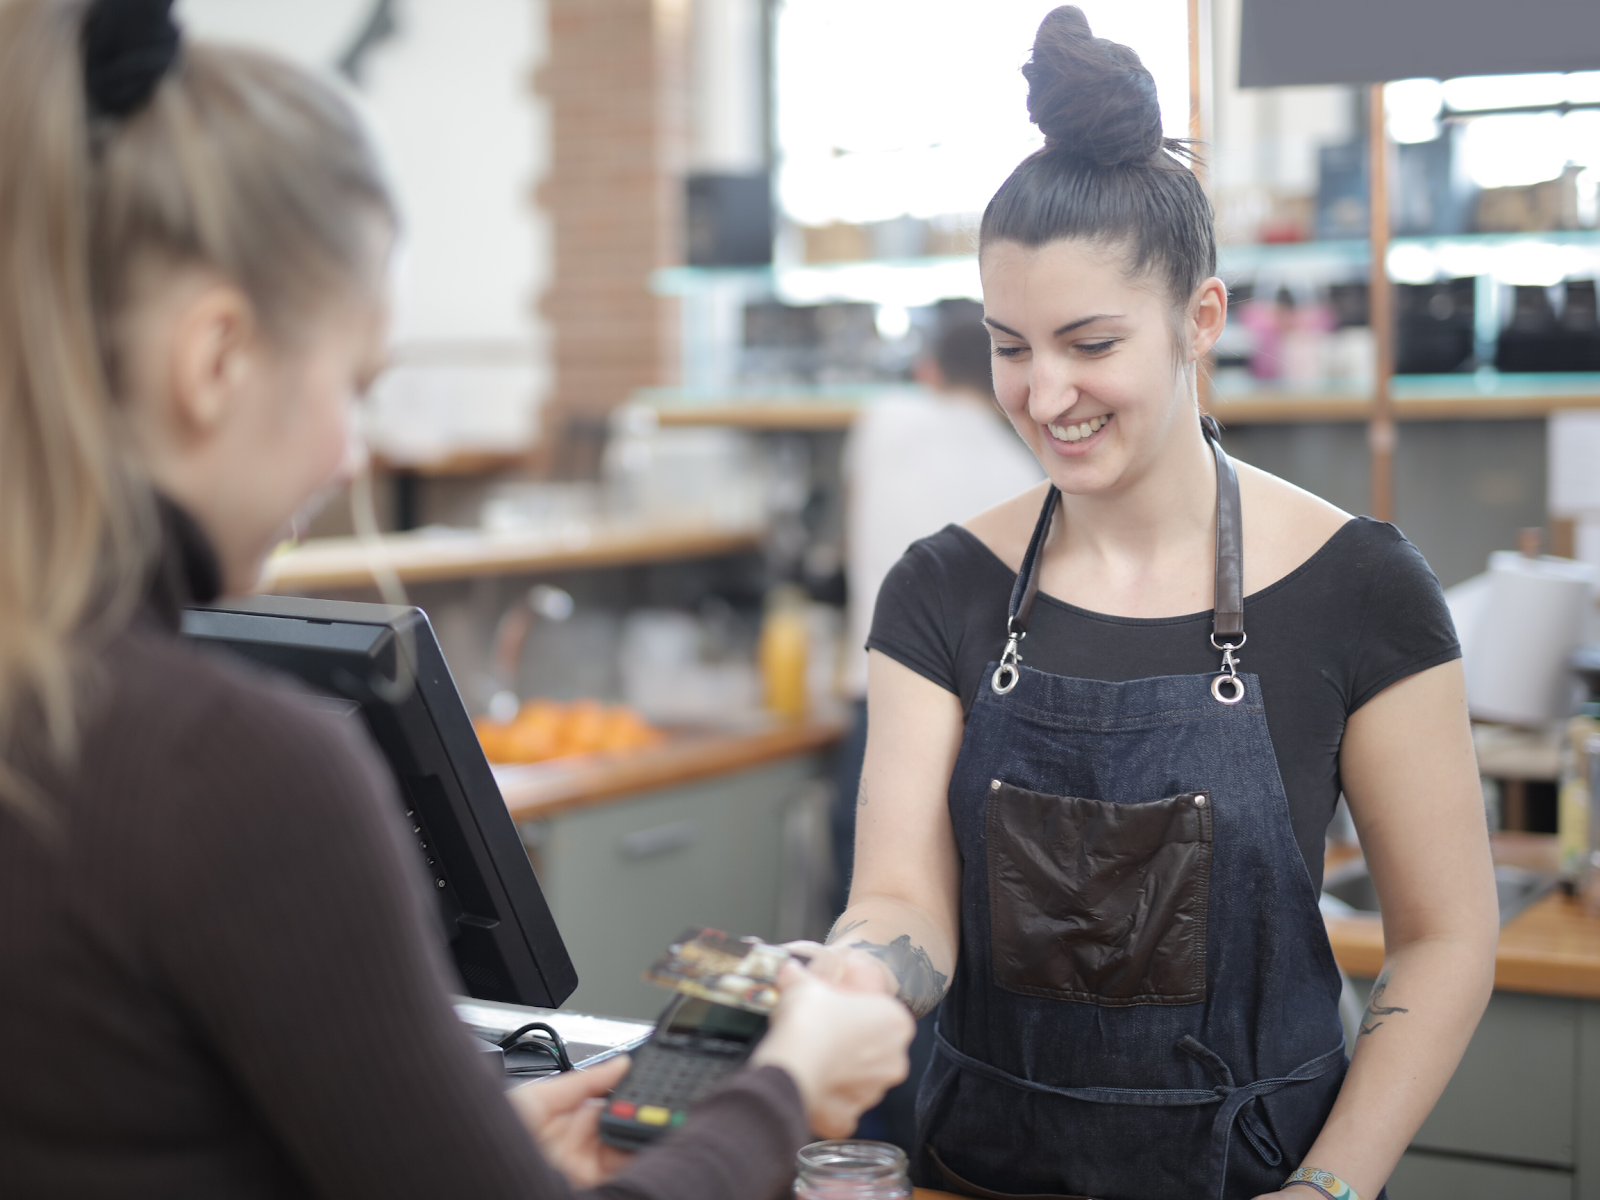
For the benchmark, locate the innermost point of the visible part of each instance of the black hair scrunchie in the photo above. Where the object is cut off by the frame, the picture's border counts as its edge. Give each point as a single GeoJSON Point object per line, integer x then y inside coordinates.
{"type": "Point", "coordinates": [128, 45]}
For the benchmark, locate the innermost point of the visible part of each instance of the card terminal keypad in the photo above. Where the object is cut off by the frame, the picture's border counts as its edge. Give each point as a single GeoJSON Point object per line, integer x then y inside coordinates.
{"type": "Point", "coordinates": [669, 1074]}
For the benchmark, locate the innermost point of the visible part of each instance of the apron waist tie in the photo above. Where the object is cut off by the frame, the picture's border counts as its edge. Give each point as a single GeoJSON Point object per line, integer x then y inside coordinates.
{"type": "Point", "coordinates": [1233, 1099]}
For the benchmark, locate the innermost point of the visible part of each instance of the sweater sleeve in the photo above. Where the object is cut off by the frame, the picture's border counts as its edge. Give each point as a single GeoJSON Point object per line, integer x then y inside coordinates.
{"type": "Point", "coordinates": [315, 969]}
{"type": "Point", "coordinates": [739, 1142]}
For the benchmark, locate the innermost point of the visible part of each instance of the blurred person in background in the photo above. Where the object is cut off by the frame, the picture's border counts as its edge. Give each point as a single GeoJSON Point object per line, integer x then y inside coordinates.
{"type": "Point", "coordinates": [221, 972]}
{"type": "Point", "coordinates": [913, 465]}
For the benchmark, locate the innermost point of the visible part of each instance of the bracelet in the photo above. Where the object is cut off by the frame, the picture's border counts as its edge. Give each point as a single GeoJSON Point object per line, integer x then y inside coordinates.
{"type": "Point", "coordinates": [1325, 1182]}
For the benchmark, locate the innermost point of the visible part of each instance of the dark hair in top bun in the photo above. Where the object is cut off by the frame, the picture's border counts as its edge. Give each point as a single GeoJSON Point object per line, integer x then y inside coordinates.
{"type": "Point", "coordinates": [1106, 173]}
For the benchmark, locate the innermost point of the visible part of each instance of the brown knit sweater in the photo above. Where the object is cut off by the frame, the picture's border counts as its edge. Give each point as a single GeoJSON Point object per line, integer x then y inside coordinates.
{"type": "Point", "coordinates": [226, 979]}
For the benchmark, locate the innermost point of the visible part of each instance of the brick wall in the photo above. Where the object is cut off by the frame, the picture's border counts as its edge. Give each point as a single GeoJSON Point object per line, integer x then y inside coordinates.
{"type": "Point", "coordinates": [614, 83]}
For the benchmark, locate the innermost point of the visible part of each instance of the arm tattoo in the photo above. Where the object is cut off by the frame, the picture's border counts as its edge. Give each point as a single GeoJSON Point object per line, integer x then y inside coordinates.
{"type": "Point", "coordinates": [922, 986]}
{"type": "Point", "coordinates": [861, 795]}
{"type": "Point", "coordinates": [1375, 1009]}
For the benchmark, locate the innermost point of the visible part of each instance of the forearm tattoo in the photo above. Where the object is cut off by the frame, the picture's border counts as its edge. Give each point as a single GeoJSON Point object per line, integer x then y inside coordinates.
{"type": "Point", "coordinates": [1375, 1009]}
{"type": "Point", "coordinates": [922, 985]}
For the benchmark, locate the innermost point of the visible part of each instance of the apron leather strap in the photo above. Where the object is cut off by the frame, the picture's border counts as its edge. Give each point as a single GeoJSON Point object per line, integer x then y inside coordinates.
{"type": "Point", "coordinates": [1227, 624]}
{"type": "Point", "coordinates": [1026, 590]}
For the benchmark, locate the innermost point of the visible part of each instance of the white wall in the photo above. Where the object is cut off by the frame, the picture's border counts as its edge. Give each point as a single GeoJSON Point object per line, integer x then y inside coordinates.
{"type": "Point", "coordinates": [919, 107]}
{"type": "Point", "coordinates": [450, 102]}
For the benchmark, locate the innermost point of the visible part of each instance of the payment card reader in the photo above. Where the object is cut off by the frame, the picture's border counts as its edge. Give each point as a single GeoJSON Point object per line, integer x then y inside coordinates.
{"type": "Point", "coordinates": [696, 1045]}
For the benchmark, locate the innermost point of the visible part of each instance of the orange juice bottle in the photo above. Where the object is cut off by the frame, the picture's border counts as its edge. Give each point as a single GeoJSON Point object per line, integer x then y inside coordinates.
{"type": "Point", "coordinates": [783, 652]}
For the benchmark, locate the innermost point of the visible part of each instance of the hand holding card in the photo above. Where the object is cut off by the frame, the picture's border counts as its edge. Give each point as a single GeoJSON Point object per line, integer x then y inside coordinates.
{"type": "Point", "coordinates": [740, 972]}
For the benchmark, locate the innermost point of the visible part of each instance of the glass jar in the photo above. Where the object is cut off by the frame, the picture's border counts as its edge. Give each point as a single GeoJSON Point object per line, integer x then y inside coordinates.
{"type": "Point", "coordinates": [851, 1170]}
{"type": "Point", "coordinates": [1573, 798]}
{"type": "Point", "coordinates": [1588, 877]}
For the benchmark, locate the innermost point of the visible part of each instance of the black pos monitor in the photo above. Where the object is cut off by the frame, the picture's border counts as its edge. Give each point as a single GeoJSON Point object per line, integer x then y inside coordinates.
{"type": "Point", "coordinates": [504, 940]}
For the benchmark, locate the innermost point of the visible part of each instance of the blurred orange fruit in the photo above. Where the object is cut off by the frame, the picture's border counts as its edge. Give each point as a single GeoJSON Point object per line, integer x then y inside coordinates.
{"type": "Point", "coordinates": [545, 729]}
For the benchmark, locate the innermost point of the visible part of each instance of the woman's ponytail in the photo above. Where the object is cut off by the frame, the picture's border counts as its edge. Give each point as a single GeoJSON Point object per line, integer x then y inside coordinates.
{"type": "Point", "coordinates": [74, 527]}
{"type": "Point", "coordinates": [230, 161]}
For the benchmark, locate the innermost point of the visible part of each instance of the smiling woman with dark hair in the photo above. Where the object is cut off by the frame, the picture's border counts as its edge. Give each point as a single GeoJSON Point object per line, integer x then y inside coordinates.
{"type": "Point", "coordinates": [1111, 718]}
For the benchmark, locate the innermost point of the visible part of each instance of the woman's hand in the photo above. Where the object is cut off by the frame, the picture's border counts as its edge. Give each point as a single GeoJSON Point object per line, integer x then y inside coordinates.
{"type": "Point", "coordinates": [843, 1046]}
{"type": "Point", "coordinates": [563, 1115]}
{"type": "Point", "coordinates": [846, 967]}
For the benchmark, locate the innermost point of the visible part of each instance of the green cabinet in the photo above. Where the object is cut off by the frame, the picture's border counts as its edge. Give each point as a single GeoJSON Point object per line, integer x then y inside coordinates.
{"type": "Point", "coordinates": [1425, 1176]}
{"type": "Point", "coordinates": [625, 877]}
{"type": "Point", "coordinates": [1521, 1117]}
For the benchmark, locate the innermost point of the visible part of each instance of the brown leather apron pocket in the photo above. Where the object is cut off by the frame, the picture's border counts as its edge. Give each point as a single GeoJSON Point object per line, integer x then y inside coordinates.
{"type": "Point", "coordinates": [1099, 902]}
{"type": "Point", "coordinates": [963, 1188]}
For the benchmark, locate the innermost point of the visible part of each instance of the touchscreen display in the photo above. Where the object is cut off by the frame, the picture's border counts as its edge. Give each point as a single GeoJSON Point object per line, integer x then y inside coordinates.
{"type": "Point", "coordinates": [695, 1016]}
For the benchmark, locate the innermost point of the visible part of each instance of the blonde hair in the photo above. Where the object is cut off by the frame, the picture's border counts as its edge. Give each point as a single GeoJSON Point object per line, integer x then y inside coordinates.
{"type": "Point", "coordinates": [239, 163]}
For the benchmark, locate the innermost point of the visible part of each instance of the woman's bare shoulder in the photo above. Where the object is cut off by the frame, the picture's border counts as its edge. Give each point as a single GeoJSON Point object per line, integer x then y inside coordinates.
{"type": "Point", "coordinates": [1284, 525]}
{"type": "Point", "coordinates": [1006, 527]}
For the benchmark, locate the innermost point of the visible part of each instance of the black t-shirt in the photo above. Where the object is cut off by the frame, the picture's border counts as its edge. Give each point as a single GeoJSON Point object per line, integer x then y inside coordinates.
{"type": "Point", "coordinates": [1363, 612]}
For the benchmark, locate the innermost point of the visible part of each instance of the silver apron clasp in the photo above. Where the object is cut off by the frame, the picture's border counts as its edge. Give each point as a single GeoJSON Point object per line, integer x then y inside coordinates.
{"type": "Point", "coordinates": [1227, 687]}
{"type": "Point", "coordinates": [1006, 674]}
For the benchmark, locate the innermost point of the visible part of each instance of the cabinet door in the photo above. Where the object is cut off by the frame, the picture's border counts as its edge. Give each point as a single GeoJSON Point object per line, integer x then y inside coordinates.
{"type": "Point", "coordinates": [1512, 1096]}
{"type": "Point", "coordinates": [626, 878]}
{"type": "Point", "coordinates": [1588, 1118]}
{"type": "Point", "coordinates": [1423, 1176]}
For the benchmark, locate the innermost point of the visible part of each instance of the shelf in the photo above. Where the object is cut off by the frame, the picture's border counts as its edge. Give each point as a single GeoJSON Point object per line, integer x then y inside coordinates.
{"type": "Point", "coordinates": [457, 465]}
{"type": "Point", "coordinates": [910, 282]}
{"type": "Point", "coordinates": [1417, 398]}
{"type": "Point", "coordinates": [906, 280]}
{"type": "Point", "coordinates": [336, 564]}
{"type": "Point", "coordinates": [541, 790]}
{"type": "Point", "coordinates": [773, 410]}
{"type": "Point", "coordinates": [1452, 254]}
{"type": "Point", "coordinates": [779, 417]}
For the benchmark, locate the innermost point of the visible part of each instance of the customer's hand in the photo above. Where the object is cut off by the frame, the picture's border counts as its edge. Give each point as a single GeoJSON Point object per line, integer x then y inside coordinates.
{"type": "Point", "coordinates": [846, 967]}
{"type": "Point", "coordinates": [563, 1115]}
{"type": "Point", "coordinates": [843, 1048]}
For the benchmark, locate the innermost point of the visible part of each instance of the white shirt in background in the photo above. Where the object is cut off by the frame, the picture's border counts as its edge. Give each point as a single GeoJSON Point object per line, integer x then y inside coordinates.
{"type": "Point", "coordinates": [913, 465]}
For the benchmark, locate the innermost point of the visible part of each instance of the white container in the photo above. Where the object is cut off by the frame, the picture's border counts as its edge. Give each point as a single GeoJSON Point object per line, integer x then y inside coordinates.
{"type": "Point", "coordinates": [1528, 618]}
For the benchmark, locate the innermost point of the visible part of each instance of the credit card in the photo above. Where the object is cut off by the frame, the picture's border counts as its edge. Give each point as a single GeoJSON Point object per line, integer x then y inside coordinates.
{"type": "Point", "coordinates": [740, 972]}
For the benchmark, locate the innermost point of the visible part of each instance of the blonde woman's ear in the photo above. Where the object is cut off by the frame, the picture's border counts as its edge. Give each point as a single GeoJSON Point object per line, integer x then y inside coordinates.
{"type": "Point", "coordinates": [214, 358]}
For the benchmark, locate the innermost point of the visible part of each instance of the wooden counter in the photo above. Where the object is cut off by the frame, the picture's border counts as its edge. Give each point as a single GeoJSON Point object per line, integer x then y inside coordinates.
{"type": "Point", "coordinates": [790, 417]}
{"type": "Point", "coordinates": [544, 789]}
{"type": "Point", "coordinates": [333, 564]}
{"type": "Point", "coordinates": [1551, 949]}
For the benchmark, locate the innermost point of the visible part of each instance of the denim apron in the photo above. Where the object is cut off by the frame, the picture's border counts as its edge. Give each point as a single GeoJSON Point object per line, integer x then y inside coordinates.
{"type": "Point", "coordinates": [1145, 1004]}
